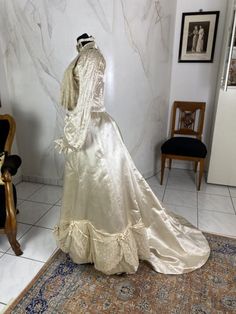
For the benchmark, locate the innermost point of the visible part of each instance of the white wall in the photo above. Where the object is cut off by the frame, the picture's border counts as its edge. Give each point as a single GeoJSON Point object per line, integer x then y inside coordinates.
{"type": "Point", "coordinates": [38, 41]}
{"type": "Point", "coordinates": [197, 81]}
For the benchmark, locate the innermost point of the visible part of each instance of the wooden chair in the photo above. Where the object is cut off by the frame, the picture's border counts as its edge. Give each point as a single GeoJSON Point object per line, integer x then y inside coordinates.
{"type": "Point", "coordinates": [186, 135]}
{"type": "Point", "coordinates": [8, 224]}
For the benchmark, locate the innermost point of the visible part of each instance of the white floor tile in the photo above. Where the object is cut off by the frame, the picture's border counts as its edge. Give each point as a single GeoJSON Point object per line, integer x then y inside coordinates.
{"type": "Point", "coordinates": [26, 189]}
{"type": "Point", "coordinates": [158, 191]}
{"type": "Point", "coordinates": [155, 180]}
{"type": "Point", "coordinates": [181, 198]}
{"type": "Point", "coordinates": [51, 218]}
{"type": "Point", "coordinates": [215, 203]}
{"type": "Point", "coordinates": [216, 222]}
{"type": "Point", "coordinates": [234, 203]}
{"type": "Point", "coordinates": [189, 213]}
{"type": "Point", "coordinates": [30, 212]}
{"type": "Point", "coordinates": [152, 181]}
{"type": "Point", "coordinates": [175, 172]}
{"type": "Point", "coordinates": [38, 244]}
{"type": "Point", "coordinates": [15, 274]}
{"type": "Point", "coordinates": [4, 243]}
{"type": "Point", "coordinates": [59, 203]}
{"type": "Point", "coordinates": [186, 183]}
{"type": "Point", "coordinates": [232, 191]}
{"type": "Point", "coordinates": [2, 306]}
{"type": "Point", "coordinates": [47, 194]}
{"type": "Point", "coordinates": [19, 201]}
{"type": "Point", "coordinates": [214, 189]}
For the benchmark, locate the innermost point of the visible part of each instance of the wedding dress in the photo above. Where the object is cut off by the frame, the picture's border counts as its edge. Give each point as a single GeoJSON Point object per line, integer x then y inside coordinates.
{"type": "Point", "coordinates": [110, 217]}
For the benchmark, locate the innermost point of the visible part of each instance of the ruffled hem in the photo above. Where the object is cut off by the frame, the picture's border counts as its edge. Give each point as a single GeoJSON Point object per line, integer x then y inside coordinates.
{"type": "Point", "coordinates": [110, 253]}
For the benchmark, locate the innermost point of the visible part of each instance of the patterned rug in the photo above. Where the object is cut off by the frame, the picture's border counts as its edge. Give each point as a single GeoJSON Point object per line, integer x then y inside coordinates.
{"type": "Point", "coordinates": [64, 287]}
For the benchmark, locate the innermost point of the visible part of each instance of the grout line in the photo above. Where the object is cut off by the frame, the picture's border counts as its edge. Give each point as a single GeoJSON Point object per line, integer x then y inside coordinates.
{"type": "Point", "coordinates": [34, 224]}
{"type": "Point", "coordinates": [180, 189]}
{"type": "Point", "coordinates": [233, 204]}
{"type": "Point", "coordinates": [31, 201]}
{"type": "Point", "coordinates": [45, 215]}
{"type": "Point", "coordinates": [217, 194]}
{"type": "Point", "coordinates": [18, 239]}
{"type": "Point", "coordinates": [40, 187]}
{"type": "Point", "coordinates": [47, 228]}
{"type": "Point", "coordinates": [24, 257]}
{"type": "Point", "coordinates": [200, 192]}
{"type": "Point", "coordinates": [24, 223]}
{"type": "Point", "coordinates": [23, 232]}
{"type": "Point", "coordinates": [165, 186]}
{"type": "Point", "coordinates": [217, 211]}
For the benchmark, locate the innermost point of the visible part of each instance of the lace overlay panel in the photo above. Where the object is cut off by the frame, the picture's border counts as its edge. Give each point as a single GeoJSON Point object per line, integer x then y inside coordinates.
{"type": "Point", "coordinates": [87, 243]}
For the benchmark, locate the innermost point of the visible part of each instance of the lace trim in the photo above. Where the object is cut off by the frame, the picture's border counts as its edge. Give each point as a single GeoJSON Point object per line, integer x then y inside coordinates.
{"type": "Point", "coordinates": [110, 253]}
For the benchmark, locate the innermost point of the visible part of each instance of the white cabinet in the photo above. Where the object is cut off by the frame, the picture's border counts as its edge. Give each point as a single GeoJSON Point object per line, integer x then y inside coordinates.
{"type": "Point", "coordinates": [222, 165]}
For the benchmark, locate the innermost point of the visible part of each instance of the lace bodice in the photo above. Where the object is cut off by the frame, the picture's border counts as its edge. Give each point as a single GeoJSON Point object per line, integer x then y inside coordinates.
{"type": "Point", "coordinates": [89, 70]}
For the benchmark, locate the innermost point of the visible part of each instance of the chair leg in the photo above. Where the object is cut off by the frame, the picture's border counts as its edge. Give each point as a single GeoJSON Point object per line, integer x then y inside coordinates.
{"type": "Point", "coordinates": [10, 223]}
{"type": "Point", "coordinates": [163, 161]}
{"type": "Point", "coordinates": [14, 243]}
{"type": "Point", "coordinates": [170, 163]}
{"type": "Point", "coordinates": [195, 166]}
{"type": "Point", "coordinates": [200, 173]}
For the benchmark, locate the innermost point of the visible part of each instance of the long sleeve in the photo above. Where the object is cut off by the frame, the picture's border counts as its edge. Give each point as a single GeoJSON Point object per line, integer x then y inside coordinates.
{"type": "Point", "coordinates": [77, 121]}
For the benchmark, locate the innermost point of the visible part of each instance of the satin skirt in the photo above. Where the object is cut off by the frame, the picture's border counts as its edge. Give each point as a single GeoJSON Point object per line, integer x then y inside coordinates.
{"type": "Point", "coordinates": [110, 217]}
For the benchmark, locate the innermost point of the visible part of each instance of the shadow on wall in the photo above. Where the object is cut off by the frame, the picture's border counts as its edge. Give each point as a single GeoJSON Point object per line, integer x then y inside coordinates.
{"type": "Point", "coordinates": [157, 155]}
{"type": "Point", "coordinates": [27, 136]}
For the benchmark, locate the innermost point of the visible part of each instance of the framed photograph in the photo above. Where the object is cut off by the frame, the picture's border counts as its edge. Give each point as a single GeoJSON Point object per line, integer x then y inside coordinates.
{"type": "Point", "coordinates": [198, 36]}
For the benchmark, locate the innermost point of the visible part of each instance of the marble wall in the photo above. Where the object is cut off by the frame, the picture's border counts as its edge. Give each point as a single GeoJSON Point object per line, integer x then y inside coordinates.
{"type": "Point", "coordinates": [37, 43]}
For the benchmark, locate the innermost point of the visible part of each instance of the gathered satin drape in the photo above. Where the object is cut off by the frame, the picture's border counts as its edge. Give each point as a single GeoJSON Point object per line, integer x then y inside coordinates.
{"type": "Point", "coordinates": [110, 216]}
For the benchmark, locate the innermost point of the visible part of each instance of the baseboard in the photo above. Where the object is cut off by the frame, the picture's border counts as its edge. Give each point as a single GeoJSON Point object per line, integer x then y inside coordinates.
{"type": "Point", "coordinates": [186, 165]}
{"type": "Point", "coordinates": [17, 179]}
{"type": "Point", "coordinates": [149, 174]}
{"type": "Point", "coordinates": [49, 181]}
{"type": "Point", "coordinates": [59, 182]}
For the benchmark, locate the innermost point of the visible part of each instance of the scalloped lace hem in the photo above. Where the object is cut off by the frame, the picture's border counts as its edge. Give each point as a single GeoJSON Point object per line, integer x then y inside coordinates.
{"type": "Point", "coordinates": [110, 253]}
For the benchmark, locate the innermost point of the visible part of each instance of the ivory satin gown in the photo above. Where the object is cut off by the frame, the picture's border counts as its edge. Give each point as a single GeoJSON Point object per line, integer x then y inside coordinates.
{"type": "Point", "coordinates": [110, 217]}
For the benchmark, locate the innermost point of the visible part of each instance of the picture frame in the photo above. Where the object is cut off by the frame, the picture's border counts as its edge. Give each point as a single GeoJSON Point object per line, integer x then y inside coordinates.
{"type": "Point", "coordinates": [198, 36]}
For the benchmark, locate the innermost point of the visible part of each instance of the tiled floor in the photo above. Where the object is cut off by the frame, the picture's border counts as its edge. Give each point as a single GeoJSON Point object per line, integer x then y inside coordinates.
{"type": "Point", "coordinates": [213, 209]}
{"type": "Point", "coordinates": [39, 212]}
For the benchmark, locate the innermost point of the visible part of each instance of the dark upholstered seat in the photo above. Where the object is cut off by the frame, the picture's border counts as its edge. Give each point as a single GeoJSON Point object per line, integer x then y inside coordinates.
{"type": "Point", "coordinates": [184, 146]}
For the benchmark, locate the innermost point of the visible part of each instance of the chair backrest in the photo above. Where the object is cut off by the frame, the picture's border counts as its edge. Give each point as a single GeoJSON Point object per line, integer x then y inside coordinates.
{"type": "Point", "coordinates": [188, 118]}
{"type": "Point", "coordinates": [7, 132]}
